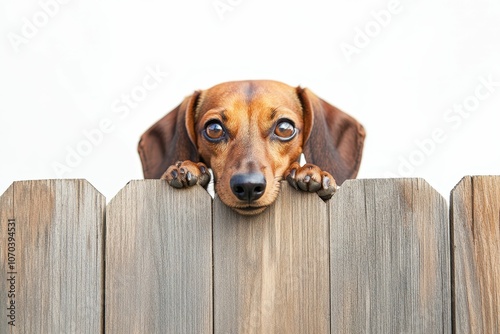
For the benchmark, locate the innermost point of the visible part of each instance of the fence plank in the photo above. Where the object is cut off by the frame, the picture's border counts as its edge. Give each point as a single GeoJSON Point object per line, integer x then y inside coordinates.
{"type": "Point", "coordinates": [475, 219]}
{"type": "Point", "coordinates": [390, 266]}
{"type": "Point", "coordinates": [159, 260]}
{"type": "Point", "coordinates": [271, 271]}
{"type": "Point", "coordinates": [51, 257]}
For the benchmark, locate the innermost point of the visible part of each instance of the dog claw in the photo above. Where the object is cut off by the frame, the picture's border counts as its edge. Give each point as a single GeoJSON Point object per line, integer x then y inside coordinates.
{"type": "Point", "coordinates": [311, 178]}
{"type": "Point", "coordinates": [185, 174]}
{"type": "Point", "coordinates": [308, 184]}
{"type": "Point", "coordinates": [329, 187]}
{"type": "Point", "coordinates": [204, 179]}
{"type": "Point", "coordinates": [290, 177]}
{"type": "Point", "coordinates": [176, 183]}
{"type": "Point", "coordinates": [326, 183]}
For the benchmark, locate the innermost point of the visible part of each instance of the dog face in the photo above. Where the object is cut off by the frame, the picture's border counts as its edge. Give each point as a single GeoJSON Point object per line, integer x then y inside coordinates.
{"type": "Point", "coordinates": [249, 133]}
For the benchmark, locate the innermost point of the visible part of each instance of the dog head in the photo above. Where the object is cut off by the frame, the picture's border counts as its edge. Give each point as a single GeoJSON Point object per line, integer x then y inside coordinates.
{"type": "Point", "coordinates": [249, 133]}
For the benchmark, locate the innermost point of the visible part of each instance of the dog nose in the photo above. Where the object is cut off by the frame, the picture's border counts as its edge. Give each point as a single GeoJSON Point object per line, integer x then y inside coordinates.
{"type": "Point", "coordinates": [248, 187]}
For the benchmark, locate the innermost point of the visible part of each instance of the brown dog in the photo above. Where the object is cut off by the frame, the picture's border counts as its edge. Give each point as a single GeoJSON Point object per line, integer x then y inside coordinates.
{"type": "Point", "coordinates": [251, 134]}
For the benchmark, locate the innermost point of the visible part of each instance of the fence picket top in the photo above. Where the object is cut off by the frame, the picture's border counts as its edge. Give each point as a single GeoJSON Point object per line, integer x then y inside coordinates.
{"type": "Point", "coordinates": [195, 192]}
{"type": "Point", "coordinates": [271, 270]}
{"type": "Point", "coordinates": [389, 257]}
{"type": "Point", "coordinates": [475, 221]}
{"type": "Point", "coordinates": [55, 258]}
{"type": "Point", "coordinates": [159, 259]}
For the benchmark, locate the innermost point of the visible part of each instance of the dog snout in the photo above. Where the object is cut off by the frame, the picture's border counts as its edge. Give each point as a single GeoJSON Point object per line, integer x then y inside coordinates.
{"type": "Point", "coordinates": [248, 187]}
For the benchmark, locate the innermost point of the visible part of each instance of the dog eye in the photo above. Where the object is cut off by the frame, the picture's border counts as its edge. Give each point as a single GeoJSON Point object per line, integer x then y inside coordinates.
{"type": "Point", "coordinates": [285, 130]}
{"type": "Point", "coordinates": [214, 131]}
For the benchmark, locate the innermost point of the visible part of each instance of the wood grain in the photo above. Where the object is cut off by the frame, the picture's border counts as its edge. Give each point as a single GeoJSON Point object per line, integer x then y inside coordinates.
{"type": "Point", "coordinates": [159, 260]}
{"type": "Point", "coordinates": [475, 219]}
{"type": "Point", "coordinates": [375, 258]}
{"type": "Point", "coordinates": [56, 267]}
{"type": "Point", "coordinates": [390, 266]}
{"type": "Point", "coordinates": [271, 270]}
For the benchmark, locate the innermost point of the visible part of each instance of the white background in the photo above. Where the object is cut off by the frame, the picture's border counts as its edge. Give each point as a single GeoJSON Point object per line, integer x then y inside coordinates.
{"type": "Point", "coordinates": [69, 73]}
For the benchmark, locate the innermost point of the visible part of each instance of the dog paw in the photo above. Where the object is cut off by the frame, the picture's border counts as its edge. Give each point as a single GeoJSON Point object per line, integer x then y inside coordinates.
{"type": "Point", "coordinates": [312, 179]}
{"type": "Point", "coordinates": [186, 174]}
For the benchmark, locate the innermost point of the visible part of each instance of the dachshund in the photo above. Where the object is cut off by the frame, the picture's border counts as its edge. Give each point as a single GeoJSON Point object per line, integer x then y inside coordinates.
{"type": "Point", "coordinates": [251, 134]}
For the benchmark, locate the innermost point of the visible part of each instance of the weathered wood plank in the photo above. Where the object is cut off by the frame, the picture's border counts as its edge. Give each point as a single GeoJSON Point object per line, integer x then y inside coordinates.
{"type": "Point", "coordinates": [159, 260]}
{"type": "Point", "coordinates": [52, 257]}
{"type": "Point", "coordinates": [390, 266]}
{"type": "Point", "coordinates": [475, 220]}
{"type": "Point", "coordinates": [271, 271]}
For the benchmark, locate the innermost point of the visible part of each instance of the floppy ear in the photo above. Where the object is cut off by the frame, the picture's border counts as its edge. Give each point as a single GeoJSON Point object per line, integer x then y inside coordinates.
{"type": "Point", "coordinates": [333, 140]}
{"type": "Point", "coordinates": [169, 140]}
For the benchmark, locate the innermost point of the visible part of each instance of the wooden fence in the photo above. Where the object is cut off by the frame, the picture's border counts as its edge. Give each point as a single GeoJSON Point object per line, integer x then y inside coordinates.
{"type": "Point", "coordinates": [382, 256]}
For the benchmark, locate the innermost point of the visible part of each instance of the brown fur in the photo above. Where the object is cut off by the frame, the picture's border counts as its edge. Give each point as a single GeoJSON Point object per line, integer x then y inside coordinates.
{"type": "Point", "coordinates": [249, 112]}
